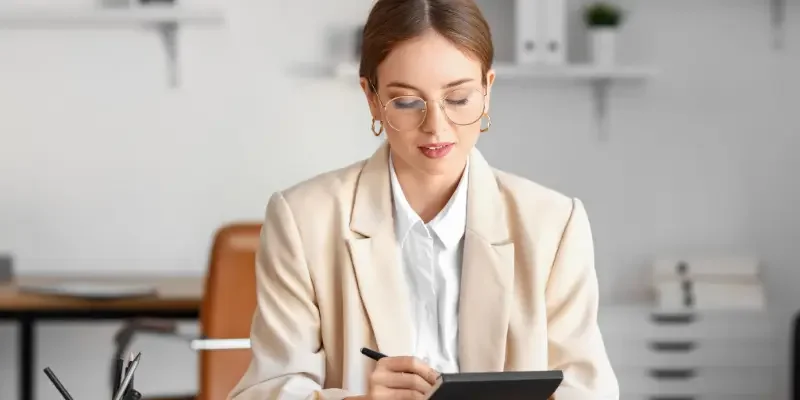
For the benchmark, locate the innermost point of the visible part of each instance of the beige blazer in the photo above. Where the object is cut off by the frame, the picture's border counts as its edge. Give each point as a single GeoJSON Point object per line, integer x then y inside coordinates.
{"type": "Point", "coordinates": [329, 282]}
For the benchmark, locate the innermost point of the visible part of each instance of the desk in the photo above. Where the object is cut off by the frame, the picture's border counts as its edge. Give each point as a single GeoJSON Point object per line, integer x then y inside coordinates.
{"type": "Point", "coordinates": [178, 298]}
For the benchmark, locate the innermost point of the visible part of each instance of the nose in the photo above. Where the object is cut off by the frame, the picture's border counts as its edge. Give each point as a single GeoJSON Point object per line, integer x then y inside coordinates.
{"type": "Point", "coordinates": [435, 119]}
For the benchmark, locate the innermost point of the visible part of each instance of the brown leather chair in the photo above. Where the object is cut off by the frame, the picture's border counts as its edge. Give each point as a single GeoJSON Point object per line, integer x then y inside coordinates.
{"type": "Point", "coordinates": [226, 312]}
{"type": "Point", "coordinates": [228, 306]}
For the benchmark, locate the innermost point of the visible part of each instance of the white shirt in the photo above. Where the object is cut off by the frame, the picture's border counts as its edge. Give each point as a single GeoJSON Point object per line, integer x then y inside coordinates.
{"type": "Point", "coordinates": [430, 255]}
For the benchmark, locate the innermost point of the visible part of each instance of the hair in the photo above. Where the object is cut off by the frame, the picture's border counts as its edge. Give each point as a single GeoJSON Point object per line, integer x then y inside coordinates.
{"type": "Point", "coordinates": [392, 22]}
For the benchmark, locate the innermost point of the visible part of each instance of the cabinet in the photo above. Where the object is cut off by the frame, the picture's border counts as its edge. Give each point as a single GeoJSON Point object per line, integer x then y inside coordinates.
{"type": "Point", "coordinates": [702, 356]}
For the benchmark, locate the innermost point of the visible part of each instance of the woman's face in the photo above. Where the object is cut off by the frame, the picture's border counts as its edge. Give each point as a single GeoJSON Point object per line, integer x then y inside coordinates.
{"type": "Point", "coordinates": [430, 100]}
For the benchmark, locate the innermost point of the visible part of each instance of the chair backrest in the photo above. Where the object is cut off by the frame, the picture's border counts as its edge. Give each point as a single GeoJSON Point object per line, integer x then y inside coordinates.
{"type": "Point", "coordinates": [228, 306]}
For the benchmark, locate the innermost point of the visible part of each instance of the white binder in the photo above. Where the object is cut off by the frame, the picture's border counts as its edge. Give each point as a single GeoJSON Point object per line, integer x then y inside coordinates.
{"type": "Point", "coordinates": [529, 32]}
{"type": "Point", "coordinates": [541, 31]}
{"type": "Point", "coordinates": [554, 30]}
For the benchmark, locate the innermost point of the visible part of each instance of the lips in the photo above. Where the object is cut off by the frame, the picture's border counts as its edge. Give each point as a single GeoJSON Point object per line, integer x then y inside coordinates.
{"type": "Point", "coordinates": [436, 150]}
{"type": "Point", "coordinates": [436, 146]}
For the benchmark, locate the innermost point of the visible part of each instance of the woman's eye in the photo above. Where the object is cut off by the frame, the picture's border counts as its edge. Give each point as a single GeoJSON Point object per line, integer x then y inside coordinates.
{"type": "Point", "coordinates": [458, 102]}
{"type": "Point", "coordinates": [414, 104]}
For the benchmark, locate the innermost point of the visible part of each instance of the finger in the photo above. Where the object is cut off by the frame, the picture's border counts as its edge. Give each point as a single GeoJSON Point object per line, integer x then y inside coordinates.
{"type": "Point", "coordinates": [429, 374]}
{"type": "Point", "coordinates": [398, 364]}
{"type": "Point", "coordinates": [384, 393]}
{"type": "Point", "coordinates": [400, 380]}
{"type": "Point", "coordinates": [425, 371]}
{"type": "Point", "coordinates": [410, 364]}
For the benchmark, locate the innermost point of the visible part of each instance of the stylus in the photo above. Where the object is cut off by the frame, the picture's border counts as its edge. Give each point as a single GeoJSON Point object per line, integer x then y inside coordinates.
{"type": "Point", "coordinates": [375, 355]}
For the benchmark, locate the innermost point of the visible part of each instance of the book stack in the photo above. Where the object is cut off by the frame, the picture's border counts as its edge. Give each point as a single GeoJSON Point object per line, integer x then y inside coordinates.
{"type": "Point", "coordinates": [722, 283]}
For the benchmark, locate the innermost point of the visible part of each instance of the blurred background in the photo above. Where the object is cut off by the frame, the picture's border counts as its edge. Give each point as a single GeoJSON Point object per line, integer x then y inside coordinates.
{"type": "Point", "coordinates": [133, 134]}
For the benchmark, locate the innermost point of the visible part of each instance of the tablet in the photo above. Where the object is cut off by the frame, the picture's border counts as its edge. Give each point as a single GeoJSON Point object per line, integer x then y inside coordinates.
{"type": "Point", "coordinates": [522, 385]}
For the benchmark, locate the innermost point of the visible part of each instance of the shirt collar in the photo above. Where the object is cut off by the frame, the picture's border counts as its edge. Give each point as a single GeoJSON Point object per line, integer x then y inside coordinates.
{"type": "Point", "coordinates": [449, 225]}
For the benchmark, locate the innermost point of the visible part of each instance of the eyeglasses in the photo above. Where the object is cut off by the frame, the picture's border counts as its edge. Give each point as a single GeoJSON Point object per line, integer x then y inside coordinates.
{"type": "Point", "coordinates": [461, 106]}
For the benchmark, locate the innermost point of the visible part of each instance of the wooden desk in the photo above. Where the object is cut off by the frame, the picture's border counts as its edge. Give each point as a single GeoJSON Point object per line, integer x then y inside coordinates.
{"type": "Point", "coordinates": [177, 298]}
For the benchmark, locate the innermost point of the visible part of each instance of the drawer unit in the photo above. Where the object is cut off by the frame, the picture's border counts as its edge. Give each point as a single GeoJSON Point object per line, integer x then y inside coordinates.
{"type": "Point", "coordinates": [645, 324]}
{"type": "Point", "coordinates": [701, 356]}
{"type": "Point", "coordinates": [753, 382]}
{"type": "Point", "coordinates": [690, 353]}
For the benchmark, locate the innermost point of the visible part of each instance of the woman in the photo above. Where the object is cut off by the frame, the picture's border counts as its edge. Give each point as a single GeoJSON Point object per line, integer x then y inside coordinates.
{"type": "Point", "coordinates": [423, 251]}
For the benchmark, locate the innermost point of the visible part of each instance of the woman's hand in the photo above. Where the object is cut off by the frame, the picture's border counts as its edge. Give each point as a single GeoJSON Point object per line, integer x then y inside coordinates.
{"type": "Point", "coordinates": [401, 378]}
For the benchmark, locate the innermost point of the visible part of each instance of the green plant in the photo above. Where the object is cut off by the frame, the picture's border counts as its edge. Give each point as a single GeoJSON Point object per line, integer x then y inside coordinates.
{"type": "Point", "coordinates": [603, 15]}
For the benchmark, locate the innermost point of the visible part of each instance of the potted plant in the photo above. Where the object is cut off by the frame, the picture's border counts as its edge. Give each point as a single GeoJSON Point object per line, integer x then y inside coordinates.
{"type": "Point", "coordinates": [603, 20]}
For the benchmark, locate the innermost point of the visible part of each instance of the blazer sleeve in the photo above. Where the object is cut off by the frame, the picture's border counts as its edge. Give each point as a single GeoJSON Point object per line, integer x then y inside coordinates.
{"type": "Point", "coordinates": [288, 361]}
{"type": "Point", "coordinates": [575, 344]}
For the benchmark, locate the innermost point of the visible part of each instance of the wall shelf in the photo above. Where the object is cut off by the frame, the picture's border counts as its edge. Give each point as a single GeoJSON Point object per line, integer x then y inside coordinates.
{"type": "Point", "coordinates": [31, 17]}
{"type": "Point", "coordinates": [165, 20]}
{"type": "Point", "coordinates": [599, 78]}
{"type": "Point", "coordinates": [574, 72]}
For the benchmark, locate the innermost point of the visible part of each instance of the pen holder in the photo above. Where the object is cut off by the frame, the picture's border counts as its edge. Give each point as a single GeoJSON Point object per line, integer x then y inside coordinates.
{"type": "Point", "coordinates": [123, 388]}
{"type": "Point", "coordinates": [122, 384]}
{"type": "Point", "coordinates": [132, 395]}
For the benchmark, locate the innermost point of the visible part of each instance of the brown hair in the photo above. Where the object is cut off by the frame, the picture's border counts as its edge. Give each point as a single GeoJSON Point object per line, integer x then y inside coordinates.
{"type": "Point", "coordinates": [392, 22]}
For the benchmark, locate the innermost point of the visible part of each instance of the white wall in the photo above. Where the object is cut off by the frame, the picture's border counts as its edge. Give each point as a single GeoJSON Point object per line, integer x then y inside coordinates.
{"type": "Point", "coordinates": [104, 169]}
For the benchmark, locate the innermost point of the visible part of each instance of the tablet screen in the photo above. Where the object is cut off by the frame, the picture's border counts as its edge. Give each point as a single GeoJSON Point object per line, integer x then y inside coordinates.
{"type": "Point", "coordinates": [529, 385]}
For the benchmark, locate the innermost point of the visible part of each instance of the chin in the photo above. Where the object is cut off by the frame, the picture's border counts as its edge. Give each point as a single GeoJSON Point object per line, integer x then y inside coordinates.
{"type": "Point", "coordinates": [442, 166]}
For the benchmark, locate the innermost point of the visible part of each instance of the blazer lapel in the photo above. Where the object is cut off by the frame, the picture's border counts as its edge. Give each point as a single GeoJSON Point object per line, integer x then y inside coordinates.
{"type": "Point", "coordinates": [487, 274]}
{"type": "Point", "coordinates": [375, 257]}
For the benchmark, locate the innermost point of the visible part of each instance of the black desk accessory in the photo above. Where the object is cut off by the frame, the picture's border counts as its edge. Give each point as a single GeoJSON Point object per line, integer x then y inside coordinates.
{"type": "Point", "coordinates": [523, 385]}
{"type": "Point", "coordinates": [126, 388]}
{"type": "Point", "coordinates": [512, 385]}
{"type": "Point", "coordinates": [57, 383]}
{"type": "Point", "coordinates": [122, 391]}
{"type": "Point", "coordinates": [118, 374]}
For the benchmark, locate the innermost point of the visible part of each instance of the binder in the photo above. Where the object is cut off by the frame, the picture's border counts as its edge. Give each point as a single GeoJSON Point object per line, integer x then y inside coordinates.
{"type": "Point", "coordinates": [529, 32]}
{"type": "Point", "coordinates": [554, 28]}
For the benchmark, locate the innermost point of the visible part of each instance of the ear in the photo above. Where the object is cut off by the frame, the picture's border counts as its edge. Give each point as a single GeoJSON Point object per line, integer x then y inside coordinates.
{"type": "Point", "coordinates": [372, 99]}
{"type": "Point", "coordinates": [490, 75]}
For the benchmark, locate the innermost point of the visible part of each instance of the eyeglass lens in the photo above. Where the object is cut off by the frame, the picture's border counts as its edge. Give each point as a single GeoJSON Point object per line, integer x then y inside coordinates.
{"type": "Point", "coordinates": [462, 107]}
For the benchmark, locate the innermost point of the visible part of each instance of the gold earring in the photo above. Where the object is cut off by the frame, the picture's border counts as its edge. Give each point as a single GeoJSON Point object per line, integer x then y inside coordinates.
{"type": "Point", "coordinates": [377, 132]}
{"type": "Point", "coordinates": [488, 122]}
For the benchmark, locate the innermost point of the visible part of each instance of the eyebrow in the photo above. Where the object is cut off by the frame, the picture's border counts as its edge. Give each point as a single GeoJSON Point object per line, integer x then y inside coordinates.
{"type": "Point", "coordinates": [447, 86]}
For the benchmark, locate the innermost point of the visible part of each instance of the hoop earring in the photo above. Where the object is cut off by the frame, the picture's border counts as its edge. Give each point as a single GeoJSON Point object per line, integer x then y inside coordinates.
{"type": "Point", "coordinates": [378, 131]}
{"type": "Point", "coordinates": [488, 122]}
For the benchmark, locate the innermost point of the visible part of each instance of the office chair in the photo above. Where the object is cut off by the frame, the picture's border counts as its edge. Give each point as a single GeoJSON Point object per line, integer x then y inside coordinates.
{"type": "Point", "coordinates": [226, 312]}
{"type": "Point", "coordinates": [795, 357]}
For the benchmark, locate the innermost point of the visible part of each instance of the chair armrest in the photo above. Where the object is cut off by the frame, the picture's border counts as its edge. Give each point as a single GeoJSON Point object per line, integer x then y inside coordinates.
{"type": "Point", "coordinates": [203, 344]}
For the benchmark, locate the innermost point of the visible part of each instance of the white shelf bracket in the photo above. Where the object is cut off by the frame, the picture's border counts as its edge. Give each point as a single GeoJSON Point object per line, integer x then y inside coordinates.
{"type": "Point", "coordinates": [600, 88]}
{"type": "Point", "coordinates": [778, 14]}
{"type": "Point", "coordinates": [169, 38]}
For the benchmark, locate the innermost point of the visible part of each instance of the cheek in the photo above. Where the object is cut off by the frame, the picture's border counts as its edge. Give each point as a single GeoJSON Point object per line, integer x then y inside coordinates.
{"type": "Point", "coordinates": [468, 136]}
{"type": "Point", "coordinates": [400, 140]}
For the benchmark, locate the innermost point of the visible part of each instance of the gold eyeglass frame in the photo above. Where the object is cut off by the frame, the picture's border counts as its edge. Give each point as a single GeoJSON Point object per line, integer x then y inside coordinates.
{"type": "Point", "coordinates": [425, 111]}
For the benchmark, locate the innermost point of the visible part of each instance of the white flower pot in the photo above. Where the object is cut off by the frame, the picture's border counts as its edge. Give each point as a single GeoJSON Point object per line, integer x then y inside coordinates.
{"type": "Point", "coordinates": [603, 46]}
